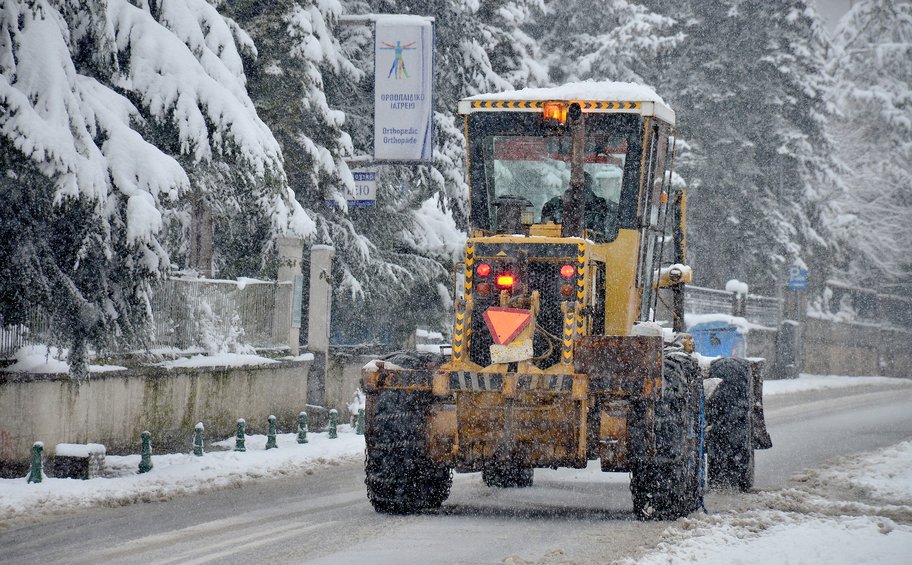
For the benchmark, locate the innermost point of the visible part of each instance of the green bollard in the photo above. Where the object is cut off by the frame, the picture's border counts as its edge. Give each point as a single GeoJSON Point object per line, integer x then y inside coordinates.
{"type": "Point", "coordinates": [239, 440]}
{"type": "Point", "coordinates": [36, 475]}
{"type": "Point", "coordinates": [333, 423]}
{"type": "Point", "coordinates": [271, 434]}
{"type": "Point", "coordinates": [302, 427]}
{"type": "Point", "coordinates": [359, 428]}
{"type": "Point", "coordinates": [198, 439]}
{"type": "Point", "coordinates": [145, 462]}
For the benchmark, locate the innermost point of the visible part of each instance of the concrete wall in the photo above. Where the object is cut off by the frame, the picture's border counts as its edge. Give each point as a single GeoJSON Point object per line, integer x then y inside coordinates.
{"type": "Point", "coordinates": [112, 408]}
{"type": "Point", "coordinates": [343, 377]}
{"type": "Point", "coordinates": [762, 343]}
{"type": "Point", "coordinates": [834, 348]}
{"type": "Point", "coordinates": [895, 353]}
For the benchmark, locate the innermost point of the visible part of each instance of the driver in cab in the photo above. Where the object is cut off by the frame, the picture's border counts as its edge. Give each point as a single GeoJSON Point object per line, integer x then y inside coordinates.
{"type": "Point", "coordinates": [598, 210]}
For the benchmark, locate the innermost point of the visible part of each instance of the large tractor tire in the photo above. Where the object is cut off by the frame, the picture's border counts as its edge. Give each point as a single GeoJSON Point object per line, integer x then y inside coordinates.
{"type": "Point", "coordinates": [666, 485]}
{"type": "Point", "coordinates": [507, 475]}
{"type": "Point", "coordinates": [730, 446]}
{"type": "Point", "coordinates": [400, 477]}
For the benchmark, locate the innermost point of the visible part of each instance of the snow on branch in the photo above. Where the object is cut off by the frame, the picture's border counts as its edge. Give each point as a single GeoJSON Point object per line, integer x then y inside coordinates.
{"type": "Point", "coordinates": [183, 81]}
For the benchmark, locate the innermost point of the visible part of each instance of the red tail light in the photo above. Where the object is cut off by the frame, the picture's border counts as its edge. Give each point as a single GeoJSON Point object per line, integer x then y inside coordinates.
{"type": "Point", "coordinates": [505, 280]}
{"type": "Point", "coordinates": [567, 271]}
{"type": "Point", "coordinates": [483, 270]}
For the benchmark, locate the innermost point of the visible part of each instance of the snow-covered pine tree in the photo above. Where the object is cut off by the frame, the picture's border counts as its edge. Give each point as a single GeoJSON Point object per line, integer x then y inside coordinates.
{"type": "Point", "coordinates": [110, 116]}
{"type": "Point", "coordinates": [749, 87]}
{"type": "Point", "coordinates": [872, 65]}
{"type": "Point", "coordinates": [315, 92]}
{"type": "Point", "coordinates": [604, 40]}
{"type": "Point", "coordinates": [233, 159]}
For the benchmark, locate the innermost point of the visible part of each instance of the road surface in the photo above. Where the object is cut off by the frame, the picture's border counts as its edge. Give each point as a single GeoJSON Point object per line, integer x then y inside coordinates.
{"type": "Point", "coordinates": [568, 516]}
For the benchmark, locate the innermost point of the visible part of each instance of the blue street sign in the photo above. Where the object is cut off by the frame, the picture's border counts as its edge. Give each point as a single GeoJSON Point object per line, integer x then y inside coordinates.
{"type": "Point", "coordinates": [797, 279]}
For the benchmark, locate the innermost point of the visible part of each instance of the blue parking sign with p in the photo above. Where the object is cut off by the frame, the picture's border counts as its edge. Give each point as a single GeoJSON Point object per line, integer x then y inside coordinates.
{"type": "Point", "coordinates": [797, 278]}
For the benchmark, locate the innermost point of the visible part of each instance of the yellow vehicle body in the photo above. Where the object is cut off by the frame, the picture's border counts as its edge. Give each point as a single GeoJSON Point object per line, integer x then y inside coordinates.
{"type": "Point", "coordinates": [556, 359]}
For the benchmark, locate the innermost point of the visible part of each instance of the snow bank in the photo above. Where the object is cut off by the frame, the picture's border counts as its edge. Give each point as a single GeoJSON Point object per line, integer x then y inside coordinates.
{"type": "Point", "coordinates": [176, 474]}
{"type": "Point", "coordinates": [885, 474]}
{"type": "Point", "coordinates": [810, 523]}
{"type": "Point", "coordinates": [825, 382]}
{"type": "Point", "coordinates": [43, 360]}
{"type": "Point", "coordinates": [770, 536]}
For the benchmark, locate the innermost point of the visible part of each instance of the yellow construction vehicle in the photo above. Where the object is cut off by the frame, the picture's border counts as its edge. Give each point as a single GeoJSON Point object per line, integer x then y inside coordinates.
{"type": "Point", "coordinates": [576, 229]}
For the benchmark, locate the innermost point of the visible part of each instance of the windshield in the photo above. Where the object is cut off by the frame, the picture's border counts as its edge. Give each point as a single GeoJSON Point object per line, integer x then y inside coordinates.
{"type": "Point", "coordinates": [517, 157]}
{"type": "Point", "coordinates": [538, 169]}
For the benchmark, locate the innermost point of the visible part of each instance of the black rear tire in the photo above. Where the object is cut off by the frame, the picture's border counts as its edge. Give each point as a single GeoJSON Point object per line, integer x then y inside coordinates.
{"type": "Point", "coordinates": [400, 476]}
{"type": "Point", "coordinates": [730, 446]}
{"type": "Point", "coordinates": [506, 475]}
{"type": "Point", "coordinates": [665, 486]}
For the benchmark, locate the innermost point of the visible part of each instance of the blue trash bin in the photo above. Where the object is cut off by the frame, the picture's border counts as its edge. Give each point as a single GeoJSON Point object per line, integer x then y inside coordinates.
{"type": "Point", "coordinates": [717, 339]}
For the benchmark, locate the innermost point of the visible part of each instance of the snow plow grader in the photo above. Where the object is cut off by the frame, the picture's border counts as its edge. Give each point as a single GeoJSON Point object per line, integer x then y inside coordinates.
{"type": "Point", "coordinates": [577, 235]}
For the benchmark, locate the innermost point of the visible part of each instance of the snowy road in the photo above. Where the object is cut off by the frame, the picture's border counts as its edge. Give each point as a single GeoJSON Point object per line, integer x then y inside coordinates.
{"type": "Point", "coordinates": [569, 516]}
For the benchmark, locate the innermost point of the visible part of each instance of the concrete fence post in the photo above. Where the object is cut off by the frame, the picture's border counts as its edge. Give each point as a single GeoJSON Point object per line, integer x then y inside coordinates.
{"type": "Point", "coordinates": [319, 315]}
{"type": "Point", "coordinates": [288, 304]}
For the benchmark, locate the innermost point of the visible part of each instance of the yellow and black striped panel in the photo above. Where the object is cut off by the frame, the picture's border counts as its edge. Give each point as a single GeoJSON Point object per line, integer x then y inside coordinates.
{"type": "Point", "coordinates": [609, 105]}
{"type": "Point", "coordinates": [580, 320]}
{"type": "Point", "coordinates": [538, 104]}
{"type": "Point", "coordinates": [567, 337]}
{"type": "Point", "coordinates": [459, 331]}
{"type": "Point", "coordinates": [469, 269]}
{"type": "Point", "coordinates": [508, 104]}
{"type": "Point", "coordinates": [581, 273]}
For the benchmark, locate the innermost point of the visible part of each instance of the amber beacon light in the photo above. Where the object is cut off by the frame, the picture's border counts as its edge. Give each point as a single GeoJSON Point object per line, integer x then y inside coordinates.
{"type": "Point", "coordinates": [555, 111]}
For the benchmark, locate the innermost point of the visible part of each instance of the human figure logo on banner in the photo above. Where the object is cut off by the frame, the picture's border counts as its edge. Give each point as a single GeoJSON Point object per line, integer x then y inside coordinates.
{"type": "Point", "coordinates": [398, 61]}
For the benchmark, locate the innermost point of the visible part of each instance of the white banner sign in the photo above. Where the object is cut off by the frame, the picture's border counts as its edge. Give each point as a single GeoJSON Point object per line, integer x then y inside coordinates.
{"type": "Point", "coordinates": [403, 89]}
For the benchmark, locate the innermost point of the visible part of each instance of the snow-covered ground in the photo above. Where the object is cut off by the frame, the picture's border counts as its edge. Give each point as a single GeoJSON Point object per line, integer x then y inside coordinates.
{"type": "Point", "coordinates": [856, 509]}
{"type": "Point", "coordinates": [174, 474]}
{"type": "Point", "coordinates": [852, 510]}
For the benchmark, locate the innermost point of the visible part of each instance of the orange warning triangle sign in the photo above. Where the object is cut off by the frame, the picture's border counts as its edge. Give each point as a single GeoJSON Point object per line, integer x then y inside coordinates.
{"type": "Point", "coordinates": [506, 323]}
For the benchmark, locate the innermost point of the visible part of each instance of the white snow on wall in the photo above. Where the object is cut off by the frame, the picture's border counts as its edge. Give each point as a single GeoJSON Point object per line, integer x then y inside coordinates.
{"type": "Point", "coordinates": [40, 359]}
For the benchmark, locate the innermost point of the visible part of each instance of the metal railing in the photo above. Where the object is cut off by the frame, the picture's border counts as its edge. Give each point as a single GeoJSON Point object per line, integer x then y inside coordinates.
{"type": "Point", "coordinates": [761, 310]}
{"type": "Point", "coordinates": [37, 329]}
{"type": "Point", "coordinates": [192, 314]}
{"type": "Point", "coordinates": [867, 306]}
